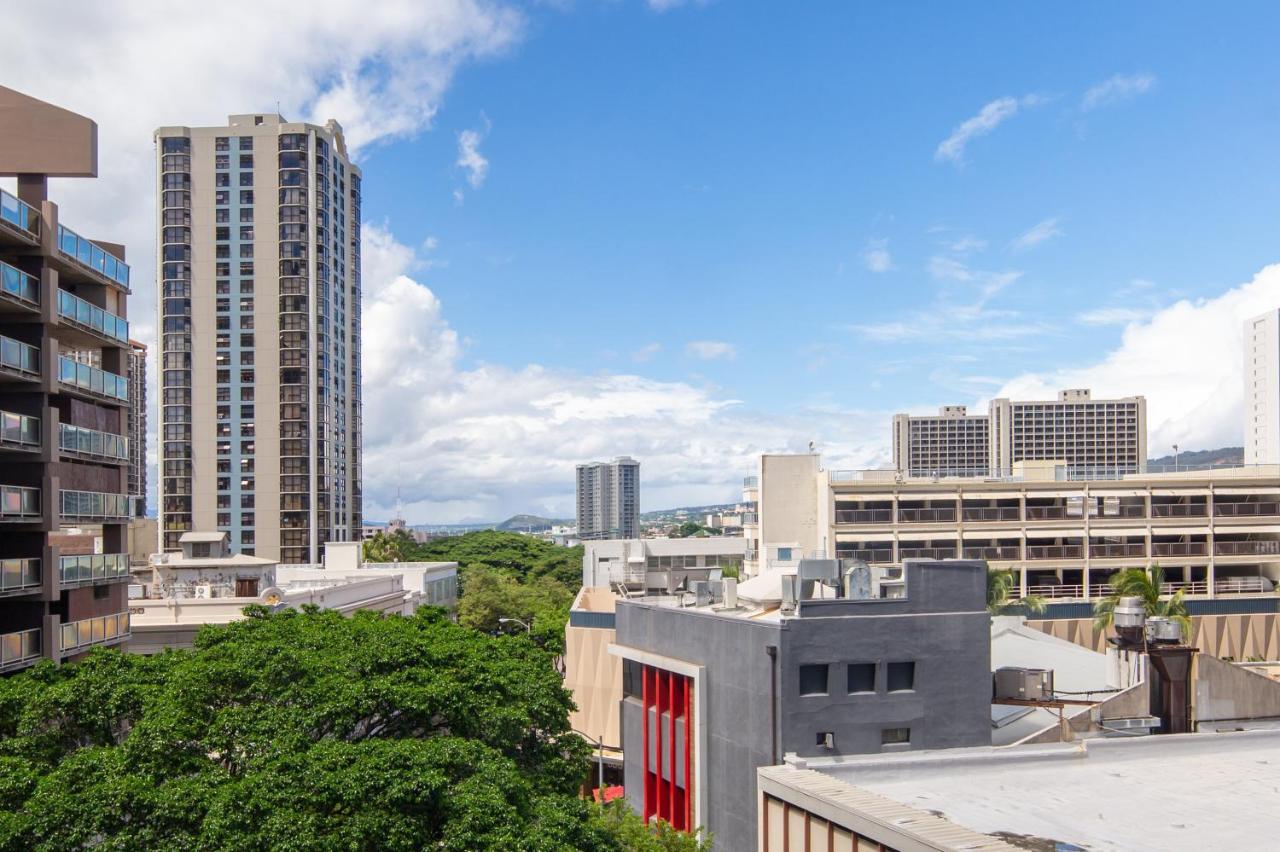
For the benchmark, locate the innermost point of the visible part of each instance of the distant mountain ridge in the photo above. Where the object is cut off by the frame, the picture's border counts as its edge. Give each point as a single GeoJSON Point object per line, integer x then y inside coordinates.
{"type": "Point", "coordinates": [530, 523]}
{"type": "Point", "coordinates": [1221, 457]}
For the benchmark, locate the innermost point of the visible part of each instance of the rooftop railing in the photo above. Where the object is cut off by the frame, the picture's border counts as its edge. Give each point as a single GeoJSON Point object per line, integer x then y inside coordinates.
{"type": "Point", "coordinates": [19, 430]}
{"type": "Point", "coordinates": [91, 379]}
{"type": "Point", "coordinates": [18, 503]}
{"type": "Point", "coordinates": [92, 256]}
{"type": "Point", "coordinates": [19, 574]}
{"type": "Point", "coordinates": [19, 649]}
{"type": "Point", "coordinates": [91, 568]}
{"type": "Point", "coordinates": [91, 442]}
{"type": "Point", "coordinates": [17, 284]}
{"type": "Point", "coordinates": [78, 635]}
{"type": "Point", "coordinates": [92, 317]}
{"type": "Point", "coordinates": [93, 505]}
{"type": "Point", "coordinates": [19, 214]}
{"type": "Point", "coordinates": [19, 357]}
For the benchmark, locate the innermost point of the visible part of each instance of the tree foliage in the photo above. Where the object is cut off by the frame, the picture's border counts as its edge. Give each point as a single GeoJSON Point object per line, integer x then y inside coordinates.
{"type": "Point", "coordinates": [1001, 597]}
{"type": "Point", "coordinates": [490, 595]}
{"type": "Point", "coordinates": [302, 731]}
{"type": "Point", "coordinates": [522, 556]}
{"type": "Point", "coordinates": [1147, 584]}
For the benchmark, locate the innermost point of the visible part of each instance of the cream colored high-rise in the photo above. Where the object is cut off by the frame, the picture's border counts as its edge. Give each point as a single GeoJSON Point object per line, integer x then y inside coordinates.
{"type": "Point", "coordinates": [1262, 389]}
{"type": "Point", "coordinates": [259, 303]}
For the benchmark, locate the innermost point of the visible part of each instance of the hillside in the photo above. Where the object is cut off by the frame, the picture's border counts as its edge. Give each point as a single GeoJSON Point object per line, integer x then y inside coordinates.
{"type": "Point", "coordinates": [529, 523]}
{"type": "Point", "coordinates": [1222, 457]}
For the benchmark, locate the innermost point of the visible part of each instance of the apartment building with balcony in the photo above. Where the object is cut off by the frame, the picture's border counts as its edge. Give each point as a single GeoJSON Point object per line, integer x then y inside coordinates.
{"type": "Point", "coordinates": [138, 426]}
{"type": "Point", "coordinates": [64, 399]}
{"type": "Point", "coordinates": [1262, 389]}
{"type": "Point", "coordinates": [1092, 437]}
{"type": "Point", "coordinates": [259, 300]}
{"type": "Point", "coordinates": [608, 499]}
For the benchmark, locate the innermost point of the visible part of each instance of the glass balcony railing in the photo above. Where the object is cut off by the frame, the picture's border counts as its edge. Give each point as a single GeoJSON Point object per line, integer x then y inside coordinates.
{"type": "Point", "coordinates": [17, 284]}
{"type": "Point", "coordinates": [18, 574]}
{"type": "Point", "coordinates": [19, 430]}
{"type": "Point", "coordinates": [78, 635]}
{"type": "Point", "coordinates": [90, 505]}
{"type": "Point", "coordinates": [87, 569]}
{"type": "Point", "coordinates": [19, 214]}
{"type": "Point", "coordinates": [19, 357]}
{"type": "Point", "coordinates": [18, 649]}
{"type": "Point", "coordinates": [92, 317]}
{"type": "Point", "coordinates": [89, 254]}
{"type": "Point", "coordinates": [85, 377]}
{"type": "Point", "coordinates": [19, 503]}
{"type": "Point", "coordinates": [91, 442]}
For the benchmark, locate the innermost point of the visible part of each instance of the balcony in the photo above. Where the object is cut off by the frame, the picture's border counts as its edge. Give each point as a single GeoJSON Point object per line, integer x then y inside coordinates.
{"type": "Point", "coordinates": [1005, 552]}
{"type": "Point", "coordinates": [751, 482]}
{"type": "Point", "coordinates": [19, 504]}
{"type": "Point", "coordinates": [19, 218]}
{"type": "Point", "coordinates": [750, 519]}
{"type": "Point", "coordinates": [864, 516]}
{"type": "Point", "coordinates": [91, 443]}
{"type": "Point", "coordinates": [19, 431]}
{"type": "Point", "coordinates": [1245, 510]}
{"type": "Point", "coordinates": [90, 506]}
{"type": "Point", "coordinates": [1246, 548]}
{"type": "Point", "coordinates": [1055, 551]}
{"type": "Point", "coordinates": [927, 553]}
{"type": "Point", "coordinates": [79, 636]}
{"type": "Point", "coordinates": [92, 381]}
{"type": "Point", "coordinates": [19, 575]}
{"type": "Point", "coordinates": [993, 513]}
{"type": "Point", "coordinates": [97, 568]}
{"type": "Point", "coordinates": [1180, 548]}
{"type": "Point", "coordinates": [91, 256]}
{"type": "Point", "coordinates": [19, 359]}
{"type": "Point", "coordinates": [1179, 510]}
{"type": "Point", "coordinates": [876, 556]}
{"type": "Point", "coordinates": [1061, 591]}
{"type": "Point", "coordinates": [1117, 551]}
{"type": "Point", "coordinates": [1046, 513]}
{"type": "Point", "coordinates": [19, 649]}
{"type": "Point", "coordinates": [927, 516]}
{"type": "Point", "coordinates": [92, 318]}
{"type": "Point", "coordinates": [17, 287]}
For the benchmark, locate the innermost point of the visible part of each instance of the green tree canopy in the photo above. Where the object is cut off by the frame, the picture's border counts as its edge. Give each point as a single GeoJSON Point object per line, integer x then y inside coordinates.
{"type": "Point", "coordinates": [1002, 599]}
{"type": "Point", "coordinates": [522, 556]}
{"type": "Point", "coordinates": [303, 731]}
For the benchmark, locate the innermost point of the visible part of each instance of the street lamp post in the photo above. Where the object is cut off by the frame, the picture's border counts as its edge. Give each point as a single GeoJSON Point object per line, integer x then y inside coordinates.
{"type": "Point", "coordinates": [527, 625]}
{"type": "Point", "coordinates": [1175, 458]}
{"type": "Point", "coordinates": [599, 744]}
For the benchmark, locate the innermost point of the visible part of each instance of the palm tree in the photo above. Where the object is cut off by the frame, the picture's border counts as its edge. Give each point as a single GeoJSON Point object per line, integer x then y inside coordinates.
{"type": "Point", "coordinates": [1146, 585]}
{"type": "Point", "coordinates": [1001, 598]}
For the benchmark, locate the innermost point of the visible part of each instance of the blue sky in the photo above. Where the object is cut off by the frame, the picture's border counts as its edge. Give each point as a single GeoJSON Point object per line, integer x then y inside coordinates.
{"type": "Point", "coordinates": [694, 232]}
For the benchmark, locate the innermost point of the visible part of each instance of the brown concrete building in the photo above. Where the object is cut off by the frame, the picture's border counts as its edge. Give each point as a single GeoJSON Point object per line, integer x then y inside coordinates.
{"type": "Point", "coordinates": [64, 399]}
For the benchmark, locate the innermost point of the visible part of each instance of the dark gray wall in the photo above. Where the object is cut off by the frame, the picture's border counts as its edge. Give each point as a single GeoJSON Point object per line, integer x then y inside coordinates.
{"type": "Point", "coordinates": [942, 626]}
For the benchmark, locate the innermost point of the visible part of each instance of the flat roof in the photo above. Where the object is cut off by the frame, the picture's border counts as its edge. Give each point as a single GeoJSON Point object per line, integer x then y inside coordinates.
{"type": "Point", "coordinates": [1177, 791]}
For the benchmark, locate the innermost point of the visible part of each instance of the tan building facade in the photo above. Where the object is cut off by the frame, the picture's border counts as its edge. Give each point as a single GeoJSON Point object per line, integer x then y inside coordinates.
{"type": "Point", "coordinates": [259, 298]}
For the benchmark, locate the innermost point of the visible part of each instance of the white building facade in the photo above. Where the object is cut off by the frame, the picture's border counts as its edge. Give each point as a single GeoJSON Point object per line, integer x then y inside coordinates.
{"type": "Point", "coordinates": [1262, 389]}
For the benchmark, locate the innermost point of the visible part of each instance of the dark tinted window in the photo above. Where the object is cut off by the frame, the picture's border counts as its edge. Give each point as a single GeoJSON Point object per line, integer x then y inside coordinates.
{"type": "Point", "coordinates": [631, 672]}
{"type": "Point", "coordinates": [862, 677]}
{"type": "Point", "coordinates": [895, 736]}
{"type": "Point", "coordinates": [813, 680]}
{"type": "Point", "coordinates": [902, 677]}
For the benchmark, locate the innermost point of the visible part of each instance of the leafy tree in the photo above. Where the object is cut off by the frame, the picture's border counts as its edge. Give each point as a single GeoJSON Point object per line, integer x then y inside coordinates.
{"type": "Point", "coordinates": [397, 546]}
{"type": "Point", "coordinates": [491, 595]}
{"type": "Point", "coordinates": [522, 556]}
{"type": "Point", "coordinates": [1147, 585]}
{"type": "Point", "coordinates": [303, 730]}
{"type": "Point", "coordinates": [1001, 597]}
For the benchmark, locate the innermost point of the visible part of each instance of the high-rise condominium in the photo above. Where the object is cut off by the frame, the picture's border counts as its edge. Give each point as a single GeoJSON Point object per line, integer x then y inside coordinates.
{"type": "Point", "coordinates": [138, 426]}
{"type": "Point", "coordinates": [1262, 389]}
{"type": "Point", "coordinates": [259, 278]}
{"type": "Point", "coordinates": [1094, 437]}
{"type": "Point", "coordinates": [609, 499]}
{"type": "Point", "coordinates": [64, 399]}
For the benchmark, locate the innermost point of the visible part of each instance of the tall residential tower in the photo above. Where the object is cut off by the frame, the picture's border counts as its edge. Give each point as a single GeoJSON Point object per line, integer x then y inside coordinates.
{"type": "Point", "coordinates": [609, 499]}
{"type": "Point", "coordinates": [1262, 389]}
{"type": "Point", "coordinates": [259, 278]}
{"type": "Point", "coordinates": [64, 399]}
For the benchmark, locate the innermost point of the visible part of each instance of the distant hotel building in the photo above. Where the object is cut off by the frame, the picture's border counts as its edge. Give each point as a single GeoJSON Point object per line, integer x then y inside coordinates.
{"type": "Point", "coordinates": [138, 427]}
{"type": "Point", "coordinates": [609, 499]}
{"type": "Point", "coordinates": [1094, 437]}
{"type": "Point", "coordinates": [259, 279]}
{"type": "Point", "coordinates": [64, 401]}
{"type": "Point", "coordinates": [1262, 389]}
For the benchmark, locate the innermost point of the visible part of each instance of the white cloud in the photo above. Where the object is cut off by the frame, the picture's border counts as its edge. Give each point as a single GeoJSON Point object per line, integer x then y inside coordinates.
{"type": "Point", "coordinates": [1186, 359]}
{"type": "Point", "coordinates": [645, 353]}
{"type": "Point", "coordinates": [458, 197]}
{"type": "Point", "coordinates": [1113, 316]}
{"type": "Point", "coordinates": [991, 116]}
{"type": "Point", "coordinates": [1120, 87]}
{"type": "Point", "coordinates": [661, 6]}
{"type": "Point", "coordinates": [961, 312]}
{"type": "Point", "coordinates": [710, 350]}
{"type": "Point", "coordinates": [470, 158]}
{"type": "Point", "coordinates": [1037, 234]}
{"type": "Point", "coordinates": [966, 244]}
{"type": "Point", "coordinates": [876, 256]}
{"type": "Point", "coordinates": [949, 269]}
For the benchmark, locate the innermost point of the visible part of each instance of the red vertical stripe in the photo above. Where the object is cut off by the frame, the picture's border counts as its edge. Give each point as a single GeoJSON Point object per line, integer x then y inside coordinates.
{"type": "Point", "coordinates": [686, 811]}
{"type": "Point", "coordinates": [671, 746]}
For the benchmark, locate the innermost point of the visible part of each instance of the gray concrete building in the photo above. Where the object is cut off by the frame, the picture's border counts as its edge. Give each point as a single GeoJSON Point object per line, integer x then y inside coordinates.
{"type": "Point", "coordinates": [712, 692]}
{"type": "Point", "coordinates": [259, 300]}
{"type": "Point", "coordinates": [138, 427]}
{"type": "Point", "coordinates": [609, 499]}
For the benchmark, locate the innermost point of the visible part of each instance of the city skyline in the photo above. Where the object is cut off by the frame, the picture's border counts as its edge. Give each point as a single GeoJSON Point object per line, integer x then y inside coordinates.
{"type": "Point", "coordinates": [1004, 234]}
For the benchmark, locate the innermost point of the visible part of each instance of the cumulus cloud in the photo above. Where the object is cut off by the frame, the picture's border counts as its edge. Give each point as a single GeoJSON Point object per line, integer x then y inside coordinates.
{"type": "Point", "coordinates": [1113, 316]}
{"type": "Point", "coordinates": [1187, 359]}
{"type": "Point", "coordinates": [1120, 87]}
{"type": "Point", "coordinates": [710, 350]}
{"type": "Point", "coordinates": [991, 116]}
{"type": "Point", "coordinates": [645, 353]}
{"type": "Point", "coordinates": [876, 256]}
{"type": "Point", "coordinates": [1037, 234]}
{"type": "Point", "coordinates": [469, 157]}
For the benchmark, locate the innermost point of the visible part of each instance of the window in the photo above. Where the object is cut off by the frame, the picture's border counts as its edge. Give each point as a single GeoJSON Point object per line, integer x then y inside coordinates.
{"type": "Point", "coordinates": [862, 677]}
{"type": "Point", "coordinates": [902, 677]}
{"type": "Point", "coordinates": [632, 672]}
{"type": "Point", "coordinates": [784, 554]}
{"type": "Point", "coordinates": [246, 196]}
{"type": "Point", "coordinates": [895, 736]}
{"type": "Point", "coordinates": [813, 679]}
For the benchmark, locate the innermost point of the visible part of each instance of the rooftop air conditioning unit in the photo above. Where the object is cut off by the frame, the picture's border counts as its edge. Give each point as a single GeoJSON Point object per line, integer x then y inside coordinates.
{"type": "Point", "coordinates": [1163, 631]}
{"type": "Point", "coordinates": [203, 591]}
{"type": "Point", "coordinates": [1023, 684]}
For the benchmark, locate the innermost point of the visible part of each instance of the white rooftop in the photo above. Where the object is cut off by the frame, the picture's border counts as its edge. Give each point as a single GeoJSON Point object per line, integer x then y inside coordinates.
{"type": "Point", "coordinates": [1189, 791]}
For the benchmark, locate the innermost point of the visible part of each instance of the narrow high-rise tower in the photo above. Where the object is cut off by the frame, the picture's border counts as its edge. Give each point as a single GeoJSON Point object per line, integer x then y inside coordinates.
{"type": "Point", "coordinates": [1262, 389]}
{"type": "Point", "coordinates": [259, 301]}
{"type": "Point", "coordinates": [609, 499]}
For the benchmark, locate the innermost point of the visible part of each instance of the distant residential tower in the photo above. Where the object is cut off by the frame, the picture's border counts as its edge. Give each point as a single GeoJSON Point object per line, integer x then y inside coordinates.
{"type": "Point", "coordinates": [609, 499]}
{"type": "Point", "coordinates": [1262, 389]}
